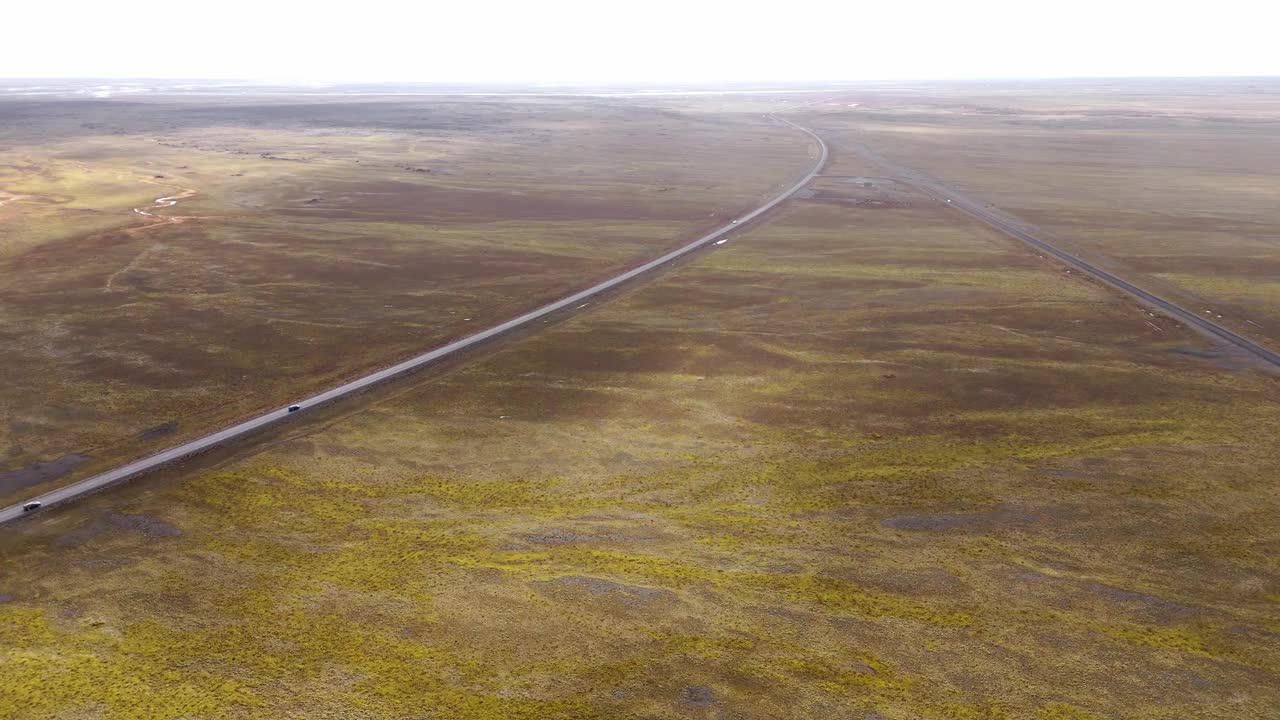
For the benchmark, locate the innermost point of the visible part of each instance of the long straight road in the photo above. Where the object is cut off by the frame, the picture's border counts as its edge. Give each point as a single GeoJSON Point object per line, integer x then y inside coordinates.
{"type": "Point", "coordinates": [268, 419]}
{"type": "Point", "coordinates": [1021, 231]}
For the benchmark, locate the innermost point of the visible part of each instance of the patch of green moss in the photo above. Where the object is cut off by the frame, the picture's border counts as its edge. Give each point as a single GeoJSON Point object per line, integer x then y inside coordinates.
{"type": "Point", "coordinates": [845, 598]}
{"type": "Point", "coordinates": [857, 675]}
{"type": "Point", "coordinates": [1176, 639]}
{"type": "Point", "coordinates": [21, 626]}
{"type": "Point", "coordinates": [707, 648]}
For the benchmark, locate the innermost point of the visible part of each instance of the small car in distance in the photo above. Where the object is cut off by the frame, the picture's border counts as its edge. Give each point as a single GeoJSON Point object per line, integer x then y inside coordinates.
{"type": "Point", "coordinates": [32, 505]}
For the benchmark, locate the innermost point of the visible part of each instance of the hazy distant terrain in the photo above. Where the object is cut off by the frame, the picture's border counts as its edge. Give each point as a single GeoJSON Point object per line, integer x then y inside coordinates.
{"type": "Point", "coordinates": [867, 459]}
{"type": "Point", "coordinates": [1171, 184]}
{"type": "Point", "coordinates": [114, 87]}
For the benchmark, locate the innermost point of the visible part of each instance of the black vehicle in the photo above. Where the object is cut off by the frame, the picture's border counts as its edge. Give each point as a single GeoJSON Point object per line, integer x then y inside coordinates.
{"type": "Point", "coordinates": [295, 408]}
{"type": "Point", "coordinates": [29, 506]}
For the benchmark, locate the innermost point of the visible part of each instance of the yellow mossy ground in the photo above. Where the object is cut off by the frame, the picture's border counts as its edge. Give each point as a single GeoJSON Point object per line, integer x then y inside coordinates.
{"type": "Point", "coordinates": [766, 485]}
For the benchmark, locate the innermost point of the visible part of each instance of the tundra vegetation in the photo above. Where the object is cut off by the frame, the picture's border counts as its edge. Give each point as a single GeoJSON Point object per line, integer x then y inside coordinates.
{"type": "Point", "coordinates": [867, 459]}
{"type": "Point", "coordinates": [312, 241]}
{"type": "Point", "coordinates": [1170, 184]}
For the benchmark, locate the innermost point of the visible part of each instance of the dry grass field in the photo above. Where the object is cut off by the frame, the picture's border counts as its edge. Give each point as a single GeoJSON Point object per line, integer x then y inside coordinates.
{"type": "Point", "coordinates": [313, 240]}
{"type": "Point", "coordinates": [865, 460]}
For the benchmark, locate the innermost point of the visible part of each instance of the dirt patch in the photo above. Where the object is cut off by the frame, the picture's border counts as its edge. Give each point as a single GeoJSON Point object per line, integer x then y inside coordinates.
{"type": "Point", "coordinates": [868, 181]}
{"type": "Point", "coordinates": [866, 192]}
{"type": "Point", "coordinates": [1130, 597]}
{"type": "Point", "coordinates": [159, 431]}
{"type": "Point", "coordinates": [81, 535]}
{"type": "Point", "coordinates": [596, 589]}
{"type": "Point", "coordinates": [148, 526]}
{"type": "Point", "coordinates": [39, 472]}
{"type": "Point", "coordinates": [867, 203]}
{"type": "Point", "coordinates": [1226, 357]}
{"type": "Point", "coordinates": [697, 696]}
{"type": "Point", "coordinates": [556, 536]}
{"type": "Point", "coordinates": [1153, 608]}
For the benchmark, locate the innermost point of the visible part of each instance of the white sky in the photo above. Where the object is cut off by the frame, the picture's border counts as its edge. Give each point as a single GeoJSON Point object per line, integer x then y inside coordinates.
{"type": "Point", "coordinates": [658, 40]}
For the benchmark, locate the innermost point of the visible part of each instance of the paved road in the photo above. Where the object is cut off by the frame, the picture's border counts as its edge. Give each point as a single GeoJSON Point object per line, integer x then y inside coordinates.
{"type": "Point", "coordinates": [248, 427]}
{"type": "Point", "coordinates": [1021, 231]}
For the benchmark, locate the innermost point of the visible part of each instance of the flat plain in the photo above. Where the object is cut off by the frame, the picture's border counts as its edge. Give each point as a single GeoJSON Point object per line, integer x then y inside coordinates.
{"type": "Point", "coordinates": [867, 459]}
{"type": "Point", "coordinates": [1170, 184]}
{"type": "Point", "coordinates": [312, 241]}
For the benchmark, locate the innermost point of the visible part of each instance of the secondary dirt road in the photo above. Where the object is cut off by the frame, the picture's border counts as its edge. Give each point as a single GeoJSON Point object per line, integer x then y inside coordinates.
{"type": "Point", "coordinates": [260, 422]}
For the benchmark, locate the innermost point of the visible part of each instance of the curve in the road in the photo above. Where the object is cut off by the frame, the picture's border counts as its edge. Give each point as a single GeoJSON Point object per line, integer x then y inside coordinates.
{"type": "Point", "coordinates": [1009, 226]}
{"type": "Point", "coordinates": [255, 424]}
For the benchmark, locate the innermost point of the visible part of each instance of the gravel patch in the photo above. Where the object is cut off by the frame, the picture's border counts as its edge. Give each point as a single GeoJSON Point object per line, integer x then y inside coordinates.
{"type": "Point", "coordinates": [697, 696]}
{"type": "Point", "coordinates": [555, 536]}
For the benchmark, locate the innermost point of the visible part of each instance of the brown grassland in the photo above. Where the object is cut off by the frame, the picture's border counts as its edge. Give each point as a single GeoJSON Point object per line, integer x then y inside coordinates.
{"type": "Point", "coordinates": [315, 240]}
{"type": "Point", "coordinates": [868, 459]}
{"type": "Point", "coordinates": [1173, 184]}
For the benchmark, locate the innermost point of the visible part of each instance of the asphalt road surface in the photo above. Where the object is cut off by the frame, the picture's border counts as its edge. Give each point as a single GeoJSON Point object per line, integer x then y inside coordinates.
{"type": "Point", "coordinates": [1021, 231]}
{"type": "Point", "coordinates": [248, 427]}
